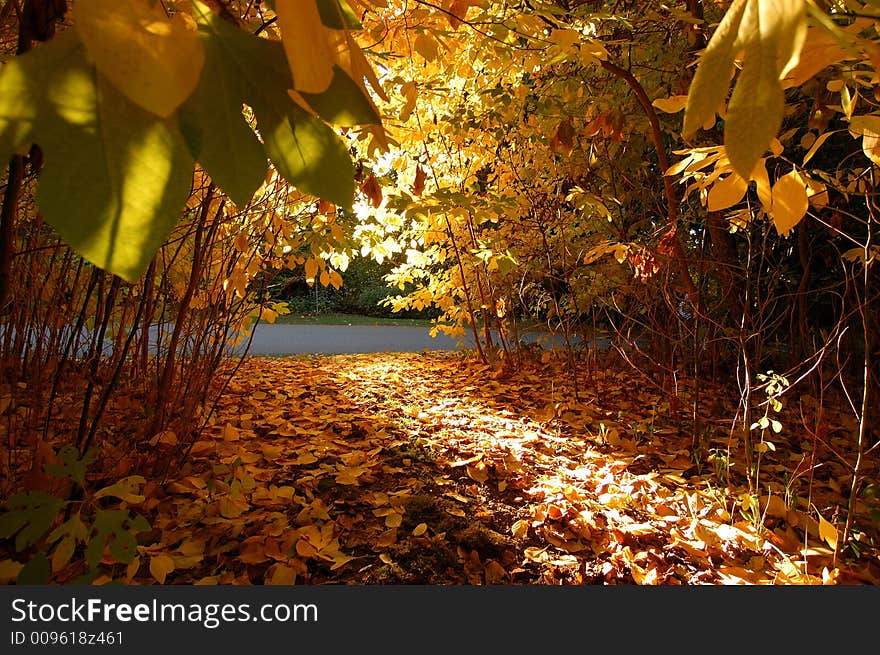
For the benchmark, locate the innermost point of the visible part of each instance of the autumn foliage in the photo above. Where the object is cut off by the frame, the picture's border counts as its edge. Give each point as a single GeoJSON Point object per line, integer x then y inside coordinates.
{"type": "Point", "coordinates": [680, 197]}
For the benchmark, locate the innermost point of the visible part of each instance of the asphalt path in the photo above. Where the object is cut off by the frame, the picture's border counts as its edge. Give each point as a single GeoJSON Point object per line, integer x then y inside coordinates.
{"type": "Point", "coordinates": [333, 339]}
{"type": "Point", "coordinates": [280, 339]}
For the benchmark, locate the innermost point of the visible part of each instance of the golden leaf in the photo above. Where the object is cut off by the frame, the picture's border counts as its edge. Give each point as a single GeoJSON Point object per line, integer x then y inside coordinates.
{"type": "Point", "coordinates": [867, 127]}
{"type": "Point", "coordinates": [307, 45]}
{"type": "Point", "coordinates": [9, 570]}
{"type": "Point", "coordinates": [727, 192]}
{"type": "Point", "coordinates": [672, 104]}
{"type": "Point", "coordinates": [160, 566]}
{"type": "Point", "coordinates": [495, 573]}
{"type": "Point", "coordinates": [774, 506]}
{"type": "Point", "coordinates": [63, 552]}
{"type": "Point", "coordinates": [410, 93]}
{"type": "Point", "coordinates": [154, 61]}
{"type": "Point", "coordinates": [230, 433]}
{"type": "Point", "coordinates": [478, 472]}
{"type": "Point", "coordinates": [426, 46]}
{"type": "Point", "coordinates": [280, 574]}
{"type": "Point", "coordinates": [790, 202]}
{"type": "Point", "coordinates": [311, 270]}
{"type": "Point", "coordinates": [828, 532]}
{"type": "Point", "coordinates": [305, 548]}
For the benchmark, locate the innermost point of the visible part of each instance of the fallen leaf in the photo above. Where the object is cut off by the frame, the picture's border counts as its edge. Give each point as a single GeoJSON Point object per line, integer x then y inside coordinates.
{"type": "Point", "coordinates": [160, 566]}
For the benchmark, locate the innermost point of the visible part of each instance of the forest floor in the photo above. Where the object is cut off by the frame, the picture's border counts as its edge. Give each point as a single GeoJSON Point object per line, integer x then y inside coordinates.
{"type": "Point", "coordinates": [435, 469]}
{"type": "Point", "coordinates": [432, 468]}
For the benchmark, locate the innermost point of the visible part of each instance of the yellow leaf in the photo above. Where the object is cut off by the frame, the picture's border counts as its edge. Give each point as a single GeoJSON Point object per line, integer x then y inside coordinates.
{"type": "Point", "coordinates": [727, 192]}
{"type": "Point", "coordinates": [305, 548]}
{"type": "Point", "coordinates": [712, 78]}
{"type": "Point", "coordinates": [280, 574]}
{"type": "Point", "coordinates": [495, 573]}
{"type": "Point", "coordinates": [132, 569]}
{"type": "Point", "coordinates": [815, 146]}
{"type": "Point", "coordinates": [520, 529]}
{"type": "Point", "coordinates": [393, 520]}
{"type": "Point", "coordinates": [774, 506]}
{"type": "Point", "coordinates": [817, 193]}
{"type": "Point", "coordinates": [352, 59]}
{"type": "Point", "coordinates": [387, 538]}
{"type": "Point", "coordinates": [770, 33]}
{"type": "Point", "coordinates": [230, 433]}
{"type": "Point", "coordinates": [478, 472]}
{"type": "Point", "coordinates": [821, 49]}
{"type": "Point", "coordinates": [828, 532]}
{"type": "Point", "coordinates": [410, 93]}
{"type": "Point", "coordinates": [154, 61]}
{"type": "Point", "coordinates": [307, 45]}
{"type": "Point", "coordinates": [63, 553]}
{"type": "Point", "coordinates": [124, 489]}
{"type": "Point", "coordinates": [642, 576]}
{"type": "Point", "coordinates": [672, 104]}
{"type": "Point", "coordinates": [790, 202]}
{"type": "Point", "coordinates": [9, 570]}
{"type": "Point", "coordinates": [426, 46]}
{"type": "Point", "coordinates": [160, 566]}
{"type": "Point", "coordinates": [867, 127]}
{"type": "Point", "coordinates": [420, 529]}
{"type": "Point", "coordinates": [311, 270]}
{"type": "Point", "coordinates": [231, 508]}
{"type": "Point", "coordinates": [565, 38]}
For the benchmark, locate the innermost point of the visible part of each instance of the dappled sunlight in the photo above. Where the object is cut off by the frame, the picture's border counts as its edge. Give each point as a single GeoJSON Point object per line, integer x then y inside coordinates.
{"type": "Point", "coordinates": [433, 468]}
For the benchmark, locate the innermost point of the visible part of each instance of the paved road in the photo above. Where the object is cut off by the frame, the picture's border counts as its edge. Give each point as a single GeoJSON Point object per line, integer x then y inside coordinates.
{"type": "Point", "coordinates": [302, 339]}
{"type": "Point", "coordinates": [331, 339]}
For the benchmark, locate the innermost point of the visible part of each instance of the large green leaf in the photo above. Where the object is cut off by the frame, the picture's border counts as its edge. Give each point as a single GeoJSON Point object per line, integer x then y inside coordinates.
{"type": "Point", "coordinates": [115, 176]}
{"type": "Point", "coordinates": [307, 152]}
{"type": "Point", "coordinates": [214, 127]}
{"type": "Point", "coordinates": [26, 85]}
{"type": "Point", "coordinates": [343, 103]}
{"type": "Point", "coordinates": [338, 15]}
{"type": "Point", "coordinates": [113, 188]}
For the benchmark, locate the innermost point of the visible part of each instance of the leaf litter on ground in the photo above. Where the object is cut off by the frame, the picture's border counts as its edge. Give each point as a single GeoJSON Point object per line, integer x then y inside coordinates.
{"type": "Point", "coordinates": [435, 469]}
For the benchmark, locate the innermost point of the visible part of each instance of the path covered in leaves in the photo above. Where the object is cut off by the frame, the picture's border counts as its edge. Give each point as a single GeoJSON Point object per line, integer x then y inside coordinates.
{"type": "Point", "coordinates": [430, 468]}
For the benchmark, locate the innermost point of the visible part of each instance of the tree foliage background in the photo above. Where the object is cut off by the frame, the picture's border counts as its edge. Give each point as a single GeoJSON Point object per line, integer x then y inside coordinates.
{"type": "Point", "coordinates": [694, 180]}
